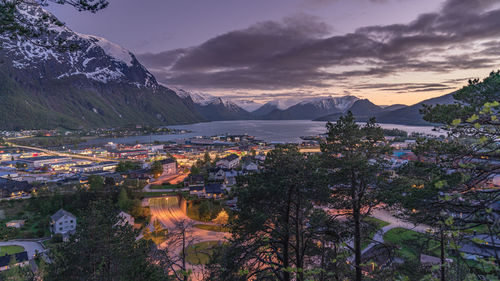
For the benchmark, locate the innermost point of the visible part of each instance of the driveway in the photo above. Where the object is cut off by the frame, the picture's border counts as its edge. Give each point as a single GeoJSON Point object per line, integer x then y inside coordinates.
{"type": "Point", "coordinates": [30, 246]}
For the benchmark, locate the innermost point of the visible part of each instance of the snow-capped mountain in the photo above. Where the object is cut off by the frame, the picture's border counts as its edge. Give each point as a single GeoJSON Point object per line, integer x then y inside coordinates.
{"type": "Point", "coordinates": [331, 103]}
{"type": "Point", "coordinates": [93, 82]}
{"type": "Point", "coordinates": [306, 109]}
{"type": "Point", "coordinates": [93, 57]}
{"type": "Point", "coordinates": [214, 108]}
{"type": "Point", "coordinates": [247, 105]}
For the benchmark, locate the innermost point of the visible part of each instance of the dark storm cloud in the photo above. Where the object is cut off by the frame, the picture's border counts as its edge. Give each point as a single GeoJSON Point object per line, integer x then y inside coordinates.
{"type": "Point", "coordinates": [296, 53]}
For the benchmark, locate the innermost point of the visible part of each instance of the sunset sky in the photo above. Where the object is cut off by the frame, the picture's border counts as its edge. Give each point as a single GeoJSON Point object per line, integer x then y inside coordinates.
{"type": "Point", "coordinates": [390, 51]}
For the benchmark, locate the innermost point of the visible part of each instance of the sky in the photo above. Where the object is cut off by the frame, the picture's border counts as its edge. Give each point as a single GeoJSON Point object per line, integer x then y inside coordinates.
{"type": "Point", "coordinates": [389, 51]}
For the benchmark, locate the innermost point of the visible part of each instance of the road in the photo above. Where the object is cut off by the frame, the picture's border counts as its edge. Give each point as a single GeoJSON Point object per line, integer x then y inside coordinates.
{"type": "Point", "coordinates": [171, 179]}
{"type": "Point", "coordinates": [57, 153]}
{"type": "Point", "coordinates": [167, 211]}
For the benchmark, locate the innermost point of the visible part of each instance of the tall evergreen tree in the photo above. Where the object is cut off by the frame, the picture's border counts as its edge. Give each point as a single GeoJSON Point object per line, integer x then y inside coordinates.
{"type": "Point", "coordinates": [449, 187]}
{"type": "Point", "coordinates": [272, 233]}
{"type": "Point", "coordinates": [355, 158]}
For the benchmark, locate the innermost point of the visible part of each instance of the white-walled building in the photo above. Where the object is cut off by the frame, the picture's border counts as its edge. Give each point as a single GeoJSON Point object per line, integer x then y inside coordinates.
{"type": "Point", "coordinates": [62, 222]}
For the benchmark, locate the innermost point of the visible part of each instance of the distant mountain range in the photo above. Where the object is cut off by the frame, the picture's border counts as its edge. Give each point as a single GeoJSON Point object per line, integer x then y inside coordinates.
{"type": "Point", "coordinates": [101, 84]}
{"type": "Point", "coordinates": [363, 110]}
{"type": "Point", "coordinates": [318, 109]}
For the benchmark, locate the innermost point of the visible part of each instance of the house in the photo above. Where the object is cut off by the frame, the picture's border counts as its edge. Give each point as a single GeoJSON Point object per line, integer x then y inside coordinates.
{"type": "Point", "coordinates": [213, 190]}
{"type": "Point", "coordinates": [480, 246]}
{"type": "Point", "coordinates": [63, 222]}
{"type": "Point", "coordinates": [250, 166]}
{"type": "Point", "coordinates": [8, 261]}
{"type": "Point", "coordinates": [218, 174]}
{"type": "Point", "coordinates": [193, 180]}
{"type": "Point", "coordinates": [129, 154]}
{"type": "Point", "coordinates": [198, 190]}
{"type": "Point", "coordinates": [15, 223]}
{"type": "Point", "coordinates": [40, 161]}
{"type": "Point", "coordinates": [125, 218]}
{"type": "Point", "coordinates": [169, 166]}
{"type": "Point", "coordinates": [142, 174]}
{"type": "Point", "coordinates": [12, 188]}
{"type": "Point", "coordinates": [95, 167]}
{"type": "Point", "coordinates": [228, 162]}
{"type": "Point", "coordinates": [230, 181]}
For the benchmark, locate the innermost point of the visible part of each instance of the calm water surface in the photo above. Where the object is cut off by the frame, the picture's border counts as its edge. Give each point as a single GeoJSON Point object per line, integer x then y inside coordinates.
{"type": "Point", "coordinates": [270, 131]}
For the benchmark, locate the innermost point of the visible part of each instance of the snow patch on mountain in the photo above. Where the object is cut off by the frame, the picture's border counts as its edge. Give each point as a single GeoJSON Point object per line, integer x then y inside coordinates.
{"type": "Point", "coordinates": [342, 103]}
{"type": "Point", "coordinates": [207, 99]}
{"type": "Point", "coordinates": [113, 50]}
{"type": "Point", "coordinates": [95, 57]}
{"type": "Point", "coordinates": [247, 105]}
{"type": "Point", "coordinates": [283, 104]}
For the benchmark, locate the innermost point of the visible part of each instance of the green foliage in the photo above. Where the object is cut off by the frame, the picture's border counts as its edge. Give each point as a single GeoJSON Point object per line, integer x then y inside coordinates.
{"type": "Point", "coordinates": [96, 183]}
{"type": "Point", "coordinates": [17, 273]}
{"type": "Point", "coordinates": [395, 133]}
{"type": "Point", "coordinates": [355, 169]}
{"type": "Point", "coordinates": [203, 210]}
{"type": "Point", "coordinates": [200, 253]}
{"type": "Point", "coordinates": [124, 203]}
{"type": "Point", "coordinates": [157, 169]}
{"type": "Point", "coordinates": [125, 166]}
{"type": "Point", "coordinates": [195, 170]}
{"type": "Point", "coordinates": [275, 214]}
{"type": "Point", "coordinates": [102, 250]}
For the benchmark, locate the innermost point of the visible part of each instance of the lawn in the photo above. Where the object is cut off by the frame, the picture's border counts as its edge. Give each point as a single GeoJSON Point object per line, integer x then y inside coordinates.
{"type": "Point", "coordinates": [200, 253]}
{"type": "Point", "coordinates": [376, 226]}
{"type": "Point", "coordinates": [9, 250]}
{"type": "Point", "coordinates": [159, 237]}
{"type": "Point", "coordinates": [211, 227]}
{"type": "Point", "coordinates": [409, 242]}
{"type": "Point", "coordinates": [203, 210]}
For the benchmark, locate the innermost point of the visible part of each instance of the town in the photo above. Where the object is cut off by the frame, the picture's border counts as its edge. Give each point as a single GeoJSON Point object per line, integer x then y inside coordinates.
{"type": "Point", "coordinates": [297, 140]}
{"type": "Point", "coordinates": [160, 185]}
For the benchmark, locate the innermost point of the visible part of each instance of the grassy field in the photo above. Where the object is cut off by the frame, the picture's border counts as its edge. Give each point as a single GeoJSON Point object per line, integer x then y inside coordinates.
{"type": "Point", "coordinates": [9, 250]}
{"type": "Point", "coordinates": [159, 237]}
{"type": "Point", "coordinates": [200, 253]}
{"type": "Point", "coordinates": [211, 227]}
{"type": "Point", "coordinates": [36, 222]}
{"type": "Point", "coordinates": [410, 242]}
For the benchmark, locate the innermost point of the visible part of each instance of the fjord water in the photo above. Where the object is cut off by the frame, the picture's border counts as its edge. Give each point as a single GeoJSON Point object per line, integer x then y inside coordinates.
{"type": "Point", "coordinates": [279, 131]}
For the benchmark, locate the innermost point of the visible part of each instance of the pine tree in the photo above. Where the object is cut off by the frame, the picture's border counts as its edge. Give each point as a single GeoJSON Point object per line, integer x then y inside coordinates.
{"type": "Point", "coordinates": [354, 158]}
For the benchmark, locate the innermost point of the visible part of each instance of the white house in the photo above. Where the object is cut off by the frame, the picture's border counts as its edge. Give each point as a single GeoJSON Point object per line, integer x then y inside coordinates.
{"type": "Point", "coordinates": [250, 166]}
{"type": "Point", "coordinates": [125, 218]}
{"type": "Point", "coordinates": [229, 162]}
{"type": "Point", "coordinates": [169, 167]}
{"type": "Point", "coordinates": [63, 222]}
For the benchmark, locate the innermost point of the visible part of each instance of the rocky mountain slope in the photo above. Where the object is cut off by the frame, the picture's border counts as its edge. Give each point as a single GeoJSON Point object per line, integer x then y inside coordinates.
{"type": "Point", "coordinates": [96, 84]}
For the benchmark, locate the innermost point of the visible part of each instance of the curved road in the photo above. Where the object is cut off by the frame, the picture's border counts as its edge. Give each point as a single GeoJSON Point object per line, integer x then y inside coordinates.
{"type": "Point", "coordinates": [62, 153]}
{"type": "Point", "coordinates": [167, 211]}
